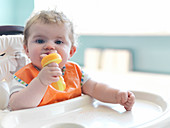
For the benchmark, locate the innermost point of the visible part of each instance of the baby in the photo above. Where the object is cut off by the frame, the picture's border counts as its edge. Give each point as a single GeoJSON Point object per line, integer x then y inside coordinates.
{"type": "Point", "coordinates": [49, 32]}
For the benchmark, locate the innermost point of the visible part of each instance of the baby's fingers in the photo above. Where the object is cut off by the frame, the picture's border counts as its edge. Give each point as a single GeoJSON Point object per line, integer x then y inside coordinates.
{"type": "Point", "coordinates": [122, 97]}
{"type": "Point", "coordinates": [128, 105]}
{"type": "Point", "coordinates": [128, 108]}
{"type": "Point", "coordinates": [131, 98]}
{"type": "Point", "coordinates": [53, 64]}
{"type": "Point", "coordinates": [130, 102]}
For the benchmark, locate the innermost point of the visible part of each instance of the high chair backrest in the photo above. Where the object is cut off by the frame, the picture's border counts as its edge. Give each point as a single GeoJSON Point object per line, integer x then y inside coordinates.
{"type": "Point", "coordinates": [11, 30]}
{"type": "Point", "coordinates": [12, 58]}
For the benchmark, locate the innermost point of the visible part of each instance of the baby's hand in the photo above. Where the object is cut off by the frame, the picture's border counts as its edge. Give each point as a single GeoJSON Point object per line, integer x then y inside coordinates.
{"type": "Point", "coordinates": [49, 74]}
{"type": "Point", "coordinates": [127, 99]}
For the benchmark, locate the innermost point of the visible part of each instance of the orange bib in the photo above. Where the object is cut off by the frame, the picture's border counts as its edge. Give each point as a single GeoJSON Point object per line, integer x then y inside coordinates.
{"type": "Point", "coordinates": [72, 77]}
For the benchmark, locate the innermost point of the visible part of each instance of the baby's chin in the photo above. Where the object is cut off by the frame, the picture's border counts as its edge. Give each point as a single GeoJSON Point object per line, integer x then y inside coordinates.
{"type": "Point", "coordinates": [39, 67]}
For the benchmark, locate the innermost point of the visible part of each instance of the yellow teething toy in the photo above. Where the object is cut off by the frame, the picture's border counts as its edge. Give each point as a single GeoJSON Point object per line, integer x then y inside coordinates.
{"type": "Point", "coordinates": [54, 57]}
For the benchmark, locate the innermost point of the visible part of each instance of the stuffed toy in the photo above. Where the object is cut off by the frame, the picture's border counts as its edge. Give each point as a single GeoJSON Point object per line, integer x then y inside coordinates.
{"type": "Point", "coordinates": [12, 58]}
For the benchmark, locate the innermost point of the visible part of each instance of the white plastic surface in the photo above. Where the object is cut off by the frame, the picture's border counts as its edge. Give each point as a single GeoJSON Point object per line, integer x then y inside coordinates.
{"type": "Point", "coordinates": [4, 94]}
{"type": "Point", "coordinates": [150, 110]}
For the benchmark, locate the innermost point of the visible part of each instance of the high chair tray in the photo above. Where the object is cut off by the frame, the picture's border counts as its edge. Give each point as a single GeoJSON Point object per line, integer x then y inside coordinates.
{"type": "Point", "coordinates": [150, 110]}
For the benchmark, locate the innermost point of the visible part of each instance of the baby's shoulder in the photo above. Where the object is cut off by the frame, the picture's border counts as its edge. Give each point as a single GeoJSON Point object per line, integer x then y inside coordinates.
{"type": "Point", "coordinates": [71, 63]}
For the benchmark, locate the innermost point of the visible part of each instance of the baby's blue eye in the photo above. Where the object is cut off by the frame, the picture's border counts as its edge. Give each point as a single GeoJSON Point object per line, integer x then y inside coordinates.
{"type": "Point", "coordinates": [58, 42]}
{"type": "Point", "coordinates": [40, 41]}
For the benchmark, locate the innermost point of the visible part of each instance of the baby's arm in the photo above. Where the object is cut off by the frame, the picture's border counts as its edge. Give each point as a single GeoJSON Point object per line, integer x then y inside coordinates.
{"type": "Point", "coordinates": [105, 93]}
{"type": "Point", "coordinates": [32, 95]}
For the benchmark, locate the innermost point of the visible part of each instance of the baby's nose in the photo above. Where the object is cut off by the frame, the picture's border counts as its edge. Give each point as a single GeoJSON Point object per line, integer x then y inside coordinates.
{"type": "Point", "coordinates": [49, 46]}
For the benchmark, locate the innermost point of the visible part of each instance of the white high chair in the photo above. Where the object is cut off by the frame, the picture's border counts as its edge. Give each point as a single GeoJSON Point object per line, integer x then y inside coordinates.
{"type": "Point", "coordinates": [12, 58]}
{"type": "Point", "coordinates": [89, 113]}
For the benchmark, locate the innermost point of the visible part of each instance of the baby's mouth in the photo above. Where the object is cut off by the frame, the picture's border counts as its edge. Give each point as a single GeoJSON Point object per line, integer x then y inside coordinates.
{"type": "Point", "coordinates": [50, 51]}
{"type": "Point", "coordinates": [43, 55]}
{"type": "Point", "coordinates": [46, 53]}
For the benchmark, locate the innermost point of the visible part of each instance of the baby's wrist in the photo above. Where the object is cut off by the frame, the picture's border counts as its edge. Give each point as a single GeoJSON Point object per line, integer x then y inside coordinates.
{"type": "Point", "coordinates": [41, 81]}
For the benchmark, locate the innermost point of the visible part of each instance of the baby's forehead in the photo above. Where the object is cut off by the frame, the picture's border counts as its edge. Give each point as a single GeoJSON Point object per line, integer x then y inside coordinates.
{"type": "Point", "coordinates": [51, 31]}
{"type": "Point", "coordinates": [61, 24]}
{"type": "Point", "coordinates": [65, 23]}
{"type": "Point", "coordinates": [50, 18]}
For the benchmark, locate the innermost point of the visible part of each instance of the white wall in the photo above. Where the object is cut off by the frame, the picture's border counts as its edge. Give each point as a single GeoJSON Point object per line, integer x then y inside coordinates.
{"type": "Point", "coordinates": [114, 17]}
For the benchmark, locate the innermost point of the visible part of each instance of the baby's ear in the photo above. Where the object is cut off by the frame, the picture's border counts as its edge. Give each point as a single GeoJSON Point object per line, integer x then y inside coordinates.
{"type": "Point", "coordinates": [26, 50]}
{"type": "Point", "coordinates": [72, 51]}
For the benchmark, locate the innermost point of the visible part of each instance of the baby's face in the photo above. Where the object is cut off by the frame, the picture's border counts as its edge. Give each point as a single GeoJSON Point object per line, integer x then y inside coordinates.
{"type": "Point", "coordinates": [49, 38]}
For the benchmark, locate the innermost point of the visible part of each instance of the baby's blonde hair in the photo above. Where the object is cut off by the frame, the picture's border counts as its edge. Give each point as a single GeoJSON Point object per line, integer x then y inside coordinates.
{"type": "Point", "coordinates": [49, 17]}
